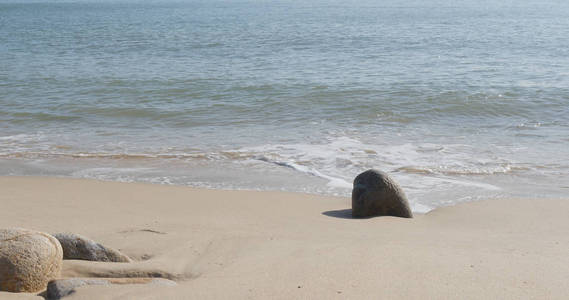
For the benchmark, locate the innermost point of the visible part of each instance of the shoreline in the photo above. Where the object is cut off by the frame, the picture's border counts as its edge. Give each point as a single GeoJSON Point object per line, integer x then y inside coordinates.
{"type": "Point", "coordinates": [258, 244]}
{"type": "Point", "coordinates": [425, 191]}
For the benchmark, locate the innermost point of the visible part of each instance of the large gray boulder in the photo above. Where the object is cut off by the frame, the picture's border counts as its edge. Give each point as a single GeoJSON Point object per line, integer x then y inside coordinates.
{"type": "Point", "coordinates": [377, 194]}
{"type": "Point", "coordinates": [79, 247]}
{"type": "Point", "coordinates": [58, 289]}
{"type": "Point", "coordinates": [28, 260]}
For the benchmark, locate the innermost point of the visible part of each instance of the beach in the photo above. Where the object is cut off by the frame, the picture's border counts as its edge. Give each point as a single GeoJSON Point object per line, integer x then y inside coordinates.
{"type": "Point", "coordinates": [275, 245]}
{"type": "Point", "coordinates": [215, 143]}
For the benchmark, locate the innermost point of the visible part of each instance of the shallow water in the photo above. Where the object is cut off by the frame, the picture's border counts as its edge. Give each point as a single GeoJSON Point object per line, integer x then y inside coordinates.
{"type": "Point", "coordinates": [457, 100]}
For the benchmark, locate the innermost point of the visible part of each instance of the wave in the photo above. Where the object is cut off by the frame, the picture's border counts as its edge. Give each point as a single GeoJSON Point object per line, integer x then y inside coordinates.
{"type": "Point", "coordinates": [26, 117]}
{"type": "Point", "coordinates": [431, 174]}
{"type": "Point", "coordinates": [113, 156]}
{"type": "Point", "coordinates": [335, 161]}
{"type": "Point", "coordinates": [332, 181]}
{"type": "Point", "coordinates": [493, 170]}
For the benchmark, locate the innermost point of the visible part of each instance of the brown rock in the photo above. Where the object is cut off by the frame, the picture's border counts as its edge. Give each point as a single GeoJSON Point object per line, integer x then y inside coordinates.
{"type": "Point", "coordinates": [79, 247]}
{"type": "Point", "coordinates": [28, 260]}
{"type": "Point", "coordinates": [376, 194]}
{"type": "Point", "coordinates": [58, 289]}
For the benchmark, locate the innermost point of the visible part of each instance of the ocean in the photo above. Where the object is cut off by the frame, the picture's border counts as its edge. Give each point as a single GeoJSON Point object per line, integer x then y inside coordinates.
{"type": "Point", "coordinates": [457, 100]}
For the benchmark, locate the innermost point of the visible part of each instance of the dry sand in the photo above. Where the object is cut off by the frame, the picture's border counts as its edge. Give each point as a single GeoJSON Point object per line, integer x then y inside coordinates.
{"type": "Point", "coordinates": [271, 245]}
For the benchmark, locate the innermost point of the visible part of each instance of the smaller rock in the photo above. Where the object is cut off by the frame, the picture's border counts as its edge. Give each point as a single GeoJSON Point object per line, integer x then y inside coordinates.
{"type": "Point", "coordinates": [79, 247]}
{"type": "Point", "coordinates": [377, 194]}
{"type": "Point", "coordinates": [28, 260]}
{"type": "Point", "coordinates": [58, 289]}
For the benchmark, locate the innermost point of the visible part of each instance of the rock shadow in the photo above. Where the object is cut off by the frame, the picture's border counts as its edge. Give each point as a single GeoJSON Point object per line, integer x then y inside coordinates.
{"type": "Point", "coordinates": [340, 213]}
{"type": "Point", "coordinates": [346, 214]}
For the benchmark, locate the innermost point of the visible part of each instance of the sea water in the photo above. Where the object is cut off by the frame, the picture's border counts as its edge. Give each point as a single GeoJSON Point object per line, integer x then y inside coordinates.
{"type": "Point", "coordinates": [457, 100]}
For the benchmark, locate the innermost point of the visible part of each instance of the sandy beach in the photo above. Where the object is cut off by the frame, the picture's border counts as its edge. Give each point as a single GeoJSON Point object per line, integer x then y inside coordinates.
{"type": "Point", "coordinates": [205, 149]}
{"type": "Point", "coordinates": [271, 245]}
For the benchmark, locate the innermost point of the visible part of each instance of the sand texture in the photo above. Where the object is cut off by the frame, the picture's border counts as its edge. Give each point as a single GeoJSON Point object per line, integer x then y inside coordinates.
{"type": "Point", "coordinates": [272, 245]}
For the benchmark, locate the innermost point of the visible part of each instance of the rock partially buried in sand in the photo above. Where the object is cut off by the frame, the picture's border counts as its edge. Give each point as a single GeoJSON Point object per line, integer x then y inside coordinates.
{"type": "Point", "coordinates": [58, 289]}
{"type": "Point", "coordinates": [376, 194]}
{"type": "Point", "coordinates": [79, 247]}
{"type": "Point", "coordinates": [28, 260]}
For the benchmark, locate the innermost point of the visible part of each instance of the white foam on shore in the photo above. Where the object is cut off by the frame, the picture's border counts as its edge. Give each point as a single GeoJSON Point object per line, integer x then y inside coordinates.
{"type": "Point", "coordinates": [431, 174]}
{"type": "Point", "coordinates": [341, 159]}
